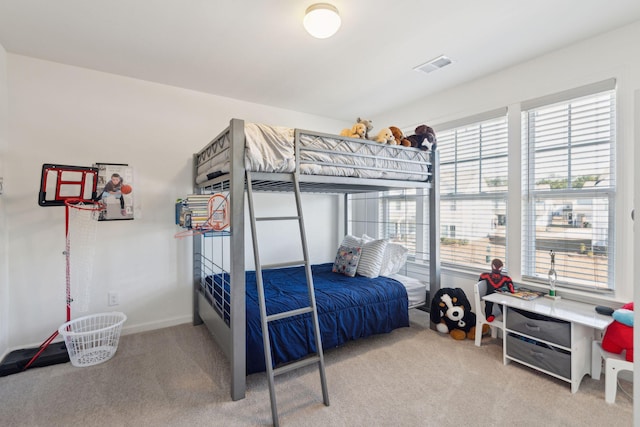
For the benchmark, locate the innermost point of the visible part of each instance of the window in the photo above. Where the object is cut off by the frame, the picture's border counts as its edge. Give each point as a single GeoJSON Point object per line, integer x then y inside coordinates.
{"type": "Point", "coordinates": [569, 187]}
{"type": "Point", "coordinates": [473, 191]}
{"type": "Point", "coordinates": [406, 220]}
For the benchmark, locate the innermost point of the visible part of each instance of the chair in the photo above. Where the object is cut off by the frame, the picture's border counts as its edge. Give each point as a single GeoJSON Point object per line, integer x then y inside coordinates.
{"type": "Point", "coordinates": [480, 290]}
{"type": "Point", "coordinates": [613, 363]}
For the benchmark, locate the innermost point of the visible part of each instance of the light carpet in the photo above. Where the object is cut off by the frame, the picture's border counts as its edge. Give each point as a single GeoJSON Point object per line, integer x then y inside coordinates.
{"type": "Point", "coordinates": [411, 377]}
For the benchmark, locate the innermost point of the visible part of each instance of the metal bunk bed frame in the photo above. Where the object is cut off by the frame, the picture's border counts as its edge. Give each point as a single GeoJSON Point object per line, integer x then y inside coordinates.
{"type": "Point", "coordinates": [231, 337]}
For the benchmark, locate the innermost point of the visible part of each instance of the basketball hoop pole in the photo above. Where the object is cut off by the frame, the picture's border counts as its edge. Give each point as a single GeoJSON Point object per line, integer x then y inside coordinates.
{"type": "Point", "coordinates": [93, 206]}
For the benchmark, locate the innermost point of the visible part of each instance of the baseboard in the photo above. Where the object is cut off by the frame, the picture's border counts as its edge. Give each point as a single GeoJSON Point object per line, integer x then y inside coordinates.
{"type": "Point", "coordinates": [152, 326]}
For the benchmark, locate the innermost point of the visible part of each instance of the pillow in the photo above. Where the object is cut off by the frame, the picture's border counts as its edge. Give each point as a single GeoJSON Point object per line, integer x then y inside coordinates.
{"type": "Point", "coordinates": [395, 257]}
{"type": "Point", "coordinates": [371, 258]}
{"type": "Point", "coordinates": [347, 260]}
{"type": "Point", "coordinates": [351, 241]}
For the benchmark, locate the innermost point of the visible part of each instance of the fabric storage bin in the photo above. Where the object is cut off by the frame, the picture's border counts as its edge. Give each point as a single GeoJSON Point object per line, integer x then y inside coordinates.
{"type": "Point", "coordinates": [538, 326]}
{"type": "Point", "coordinates": [540, 355]}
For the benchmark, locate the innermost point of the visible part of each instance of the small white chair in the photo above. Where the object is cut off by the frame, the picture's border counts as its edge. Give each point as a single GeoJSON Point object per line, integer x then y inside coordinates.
{"type": "Point", "coordinates": [613, 363]}
{"type": "Point", "coordinates": [480, 290]}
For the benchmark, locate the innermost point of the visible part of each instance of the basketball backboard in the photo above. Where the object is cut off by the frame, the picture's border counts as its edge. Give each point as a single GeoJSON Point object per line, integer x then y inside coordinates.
{"type": "Point", "coordinates": [59, 183]}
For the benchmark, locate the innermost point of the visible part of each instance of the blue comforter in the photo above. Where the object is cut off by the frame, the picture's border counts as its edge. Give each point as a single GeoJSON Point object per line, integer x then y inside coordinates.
{"type": "Point", "coordinates": [348, 308]}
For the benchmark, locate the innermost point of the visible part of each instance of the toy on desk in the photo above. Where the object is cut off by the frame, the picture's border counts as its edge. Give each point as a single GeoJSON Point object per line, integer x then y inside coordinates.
{"type": "Point", "coordinates": [495, 280]}
{"type": "Point", "coordinates": [451, 312]}
{"type": "Point", "coordinates": [618, 336]}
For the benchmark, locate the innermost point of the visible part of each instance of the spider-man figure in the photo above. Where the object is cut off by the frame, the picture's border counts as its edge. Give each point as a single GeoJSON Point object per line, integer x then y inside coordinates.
{"type": "Point", "coordinates": [495, 280]}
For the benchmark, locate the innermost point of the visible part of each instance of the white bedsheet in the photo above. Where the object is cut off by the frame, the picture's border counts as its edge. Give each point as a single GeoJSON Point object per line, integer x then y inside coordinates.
{"type": "Point", "coordinates": [271, 149]}
{"type": "Point", "coordinates": [416, 289]}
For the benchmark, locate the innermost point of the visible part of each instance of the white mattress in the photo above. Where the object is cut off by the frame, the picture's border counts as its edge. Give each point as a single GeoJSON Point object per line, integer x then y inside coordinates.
{"type": "Point", "coordinates": [271, 149]}
{"type": "Point", "coordinates": [416, 289]}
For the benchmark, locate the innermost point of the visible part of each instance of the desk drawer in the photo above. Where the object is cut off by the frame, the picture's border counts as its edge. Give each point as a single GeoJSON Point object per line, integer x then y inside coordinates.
{"type": "Point", "coordinates": [538, 326]}
{"type": "Point", "coordinates": [539, 355]}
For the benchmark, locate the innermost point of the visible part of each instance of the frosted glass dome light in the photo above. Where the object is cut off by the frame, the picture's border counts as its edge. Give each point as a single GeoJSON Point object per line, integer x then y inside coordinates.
{"type": "Point", "coordinates": [322, 20]}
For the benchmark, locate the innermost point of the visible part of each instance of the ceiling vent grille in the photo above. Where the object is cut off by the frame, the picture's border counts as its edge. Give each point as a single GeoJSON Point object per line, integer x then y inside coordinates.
{"type": "Point", "coordinates": [434, 64]}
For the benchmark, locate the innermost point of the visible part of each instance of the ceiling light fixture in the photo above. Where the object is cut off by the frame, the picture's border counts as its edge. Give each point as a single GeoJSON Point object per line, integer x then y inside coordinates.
{"type": "Point", "coordinates": [321, 20]}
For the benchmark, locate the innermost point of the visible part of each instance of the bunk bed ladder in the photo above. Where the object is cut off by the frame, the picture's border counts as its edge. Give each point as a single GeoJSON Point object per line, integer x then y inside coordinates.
{"type": "Point", "coordinates": [315, 358]}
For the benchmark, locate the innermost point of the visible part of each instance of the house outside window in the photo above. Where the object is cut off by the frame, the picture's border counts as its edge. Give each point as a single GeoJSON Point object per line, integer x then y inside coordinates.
{"type": "Point", "coordinates": [473, 191]}
{"type": "Point", "coordinates": [567, 193]}
{"type": "Point", "coordinates": [569, 187]}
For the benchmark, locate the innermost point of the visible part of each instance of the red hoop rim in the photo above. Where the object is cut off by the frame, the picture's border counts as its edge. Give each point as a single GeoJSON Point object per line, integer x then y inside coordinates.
{"type": "Point", "coordinates": [84, 205]}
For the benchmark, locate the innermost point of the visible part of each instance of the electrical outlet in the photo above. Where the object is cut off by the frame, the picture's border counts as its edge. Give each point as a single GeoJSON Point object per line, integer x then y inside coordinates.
{"type": "Point", "coordinates": [113, 298]}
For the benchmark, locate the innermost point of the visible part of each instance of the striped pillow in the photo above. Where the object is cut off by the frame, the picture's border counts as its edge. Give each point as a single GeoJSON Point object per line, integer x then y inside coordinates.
{"type": "Point", "coordinates": [371, 258]}
{"type": "Point", "coordinates": [351, 241]}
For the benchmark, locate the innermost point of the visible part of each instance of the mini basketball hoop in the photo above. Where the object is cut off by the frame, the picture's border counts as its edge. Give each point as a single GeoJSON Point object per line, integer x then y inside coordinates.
{"type": "Point", "coordinates": [219, 217]}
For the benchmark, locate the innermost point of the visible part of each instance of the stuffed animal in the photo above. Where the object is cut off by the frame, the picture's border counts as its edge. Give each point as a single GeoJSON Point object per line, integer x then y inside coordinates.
{"type": "Point", "coordinates": [618, 336]}
{"type": "Point", "coordinates": [423, 132]}
{"type": "Point", "coordinates": [451, 312]}
{"type": "Point", "coordinates": [357, 131]}
{"type": "Point", "coordinates": [385, 137]}
{"type": "Point", "coordinates": [495, 280]}
{"type": "Point", "coordinates": [398, 135]}
{"type": "Point", "coordinates": [367, 124]}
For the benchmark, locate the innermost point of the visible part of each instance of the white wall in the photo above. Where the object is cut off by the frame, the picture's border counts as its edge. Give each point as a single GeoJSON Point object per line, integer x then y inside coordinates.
{"type": "Point", "coordinates": [610, 55]}
{"type": "Point", "coordinates": [72, 116]}
{"type": "Point", "coordinates": [4, 276]}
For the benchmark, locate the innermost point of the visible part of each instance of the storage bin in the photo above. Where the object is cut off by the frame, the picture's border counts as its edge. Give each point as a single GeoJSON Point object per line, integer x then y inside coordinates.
{"type": "Point", "coordinates": [540, 355]}
{"type": "Point", "coordinates": [534, 325]}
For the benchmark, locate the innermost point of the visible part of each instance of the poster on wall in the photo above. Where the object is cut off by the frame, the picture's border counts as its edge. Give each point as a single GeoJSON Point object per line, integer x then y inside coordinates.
{"type": "Point", "coordinates": [116, 190]}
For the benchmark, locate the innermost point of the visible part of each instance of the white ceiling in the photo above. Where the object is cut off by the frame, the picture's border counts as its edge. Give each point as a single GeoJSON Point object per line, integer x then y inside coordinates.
{"type": "Point", "coordinates": [257, 51]}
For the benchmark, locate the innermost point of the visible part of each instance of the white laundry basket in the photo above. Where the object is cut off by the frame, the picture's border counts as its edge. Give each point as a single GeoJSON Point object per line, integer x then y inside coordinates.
{"type": "Point", "coordinates": [92, 339]}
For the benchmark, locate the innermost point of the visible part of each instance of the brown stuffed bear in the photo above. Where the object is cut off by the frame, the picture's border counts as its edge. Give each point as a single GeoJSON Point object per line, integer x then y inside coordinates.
{"type": "Point", "coordinates": [398, 135]}
{"type": "Point", "coordinates": [423, 132]}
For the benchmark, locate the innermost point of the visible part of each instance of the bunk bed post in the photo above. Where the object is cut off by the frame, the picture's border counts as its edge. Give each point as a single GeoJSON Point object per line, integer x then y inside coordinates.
{"type": "Point", "coordinates": [434, 227]}
{"type": "Point", "coordinates": [238, 355]}
{"type": "Point", "coordinates": [196, 243]}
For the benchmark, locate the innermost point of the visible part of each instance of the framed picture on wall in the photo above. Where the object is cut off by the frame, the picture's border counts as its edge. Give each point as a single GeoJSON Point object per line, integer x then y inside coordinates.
{"type": "Point", "coordinates": [116, 190]}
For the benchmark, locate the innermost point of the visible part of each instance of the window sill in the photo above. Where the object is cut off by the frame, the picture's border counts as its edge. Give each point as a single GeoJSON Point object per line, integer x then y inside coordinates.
{"type": "Point", "coordinates": [569, 294]}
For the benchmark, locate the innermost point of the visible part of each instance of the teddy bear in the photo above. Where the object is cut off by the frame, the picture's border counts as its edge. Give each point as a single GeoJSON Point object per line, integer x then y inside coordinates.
{"type": "Point", "coordinates": [423, 132]}
{"type": "Point", "coordinates": [358, 130]}
{"type": "Point", "coordinates": [368, 124]}
{"type": "Point", "coordinates": [451, 312]}
{"type": "Point", "coordinates": [385, 136]}
{"type": "Point", "coordinates": [619, 334]}
{"type": "Point", "coordinates": [398, 135]}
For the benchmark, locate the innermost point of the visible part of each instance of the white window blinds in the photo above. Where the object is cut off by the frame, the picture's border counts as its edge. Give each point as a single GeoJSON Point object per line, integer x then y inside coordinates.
{"type": "Point", "coordinates": [473, 192]}
{"type": "Point", "coordinates": [569, 189]}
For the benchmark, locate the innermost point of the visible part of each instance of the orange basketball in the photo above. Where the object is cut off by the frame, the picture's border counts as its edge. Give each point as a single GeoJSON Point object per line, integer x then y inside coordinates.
{"type": "Point", "coordinates": [126, 189]}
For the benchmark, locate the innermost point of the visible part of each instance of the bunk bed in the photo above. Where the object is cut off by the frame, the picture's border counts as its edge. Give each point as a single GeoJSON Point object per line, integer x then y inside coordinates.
{"type": "Point", "coordinates": [223, 291]}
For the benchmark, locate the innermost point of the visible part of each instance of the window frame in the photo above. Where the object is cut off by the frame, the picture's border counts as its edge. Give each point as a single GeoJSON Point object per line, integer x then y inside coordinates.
{"type": "Point", "coordinates": [532, 196]}
{"type": "Point", "coordinates": [500, 116]}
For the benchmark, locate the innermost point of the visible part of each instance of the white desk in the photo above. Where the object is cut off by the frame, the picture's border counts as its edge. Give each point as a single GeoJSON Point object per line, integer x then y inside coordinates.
{"type": "Point", "coordinates": [550, 336]}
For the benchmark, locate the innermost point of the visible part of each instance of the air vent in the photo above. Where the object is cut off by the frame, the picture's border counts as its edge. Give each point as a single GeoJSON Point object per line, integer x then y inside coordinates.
{"type": "Point", "coordinates": [434, 64]}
